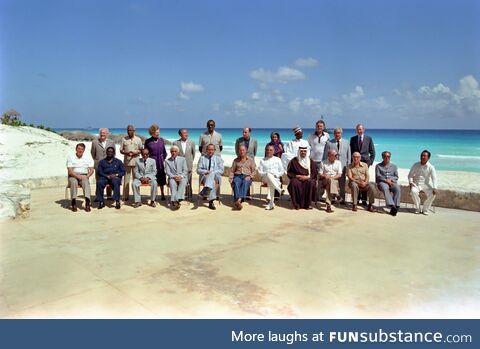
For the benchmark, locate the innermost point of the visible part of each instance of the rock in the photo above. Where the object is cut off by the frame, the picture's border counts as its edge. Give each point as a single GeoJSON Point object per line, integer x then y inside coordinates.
{"type": "Point", "coordinates": [14, 201]}
{"type": "Point", "coordinates": [77, 136]}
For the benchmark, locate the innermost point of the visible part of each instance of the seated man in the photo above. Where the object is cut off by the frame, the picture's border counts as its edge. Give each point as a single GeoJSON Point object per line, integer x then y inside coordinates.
{"type": "Point", "coordinates": [145, 173]}
{"type": "Point", "coordinates": [177, 171]}
{"type": "Point", "coordinates": [423, 178]}
{"type": "Point", "coordinates": [330, 172]}
{"type": "Point", "coordinates": [210, 169]}
{"type": "Point", "coordinates": [241, 175]}
{"type": "Point", "coordinates": [386, 177]}
{"type": "Point", "coordinates": [271, 169]}
{"type": "Point", "coordinates": [359, 181]}
{"type": "Point", "coordinates": [302, 172]}
{"type": "Point", "coordinates": [80, 168]}
{"type": "Point", "coordinates": [110, 171]}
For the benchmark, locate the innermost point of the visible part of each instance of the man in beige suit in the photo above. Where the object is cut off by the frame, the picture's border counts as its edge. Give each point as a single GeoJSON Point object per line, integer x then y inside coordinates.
{"type": "Point", "coordinates": [187, 150]}
{"type": "Point", "coordinates": [131, 147]}
{"type": "Point", "coordinates": [99, 151]}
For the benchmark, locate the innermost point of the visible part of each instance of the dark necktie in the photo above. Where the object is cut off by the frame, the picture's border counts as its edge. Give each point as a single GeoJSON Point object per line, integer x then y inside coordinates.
{"type": "Point", "coordinates": [209, 163]}
{"type": "Point", "coordinates": [338, 146]}
{"type": "Point", "coordinates": [360, 142]}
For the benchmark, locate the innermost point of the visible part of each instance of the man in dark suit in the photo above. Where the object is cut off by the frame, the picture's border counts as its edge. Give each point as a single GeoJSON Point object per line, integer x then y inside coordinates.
{"type": "Point", "coordinates": [364, 145]}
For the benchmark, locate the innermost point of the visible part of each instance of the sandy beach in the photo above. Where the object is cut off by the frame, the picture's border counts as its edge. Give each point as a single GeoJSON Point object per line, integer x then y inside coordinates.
{"type": "Point", "coordinates": [194, 262]}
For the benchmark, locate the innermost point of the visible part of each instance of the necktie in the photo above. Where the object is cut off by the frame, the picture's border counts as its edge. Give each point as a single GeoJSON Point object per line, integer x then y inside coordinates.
{"type": "Point", "coordinates": [360, 142]}
{"type": "Point", "coordinates": [209, 163]}
{"type": "Point", "coordinates": [338, 146]}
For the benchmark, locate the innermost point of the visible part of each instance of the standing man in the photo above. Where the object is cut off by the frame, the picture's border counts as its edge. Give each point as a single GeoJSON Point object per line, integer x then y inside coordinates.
{"type": "Point", "coordinates": [271, 169]}
{"type": "Point", "coordinates": [364, 145]}
{"type": "Point", "coordinates": [302, 172]}
{"type": "Point", "coordinates": [359, 181]}
{"type": "Point", "coordinates": [241, 176]}
{"type": "Point", "coordinates": [330, 172]}
{"type": "Point", "coordinates": [110, 171]}
{"type": "Point", "coordinates": [99, 152]}
{"type": "Point", "coordinates": [292, 147]}
{"type": "Point", "coordinates": [317, 141]}
{"type": "Point", "coordinates": [210, 137]}
{"type": "Point", "coordinates": [386, 177]}
{"type": "Point", "coordinates": [131, 147]}
{"type": "Point", "coordinates": [177, 172]}
{"type": "Point", "coordinates": [145, 173]}
{"type": "Point", "coordinates": [423, 177]}
{"type": "Point", "coordinates": [187, 150]}
{"type": "Point", "coordinates": [249, 142]}
{"type": "Point", "coordinates": [342, 146]}
{"type": "Point", "coordinates": [210, 170]}
{"type": "Point", "coordinates": [80, 168]}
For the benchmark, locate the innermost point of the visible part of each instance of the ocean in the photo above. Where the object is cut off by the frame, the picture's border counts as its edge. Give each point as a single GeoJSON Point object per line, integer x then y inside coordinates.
{"type": "Point", "coordinates": [452, 150]}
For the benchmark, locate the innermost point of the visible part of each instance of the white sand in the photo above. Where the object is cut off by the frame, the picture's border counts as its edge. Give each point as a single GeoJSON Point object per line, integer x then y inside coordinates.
{"type": "Point", "coordinates": [44, 155]}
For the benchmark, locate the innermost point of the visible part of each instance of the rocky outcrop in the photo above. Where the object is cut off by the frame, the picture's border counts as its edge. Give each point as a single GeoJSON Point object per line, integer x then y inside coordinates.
{"type": "Point", "coordinates": [14, 201]}
{"type": "Point", "coordinates": [79, 136]}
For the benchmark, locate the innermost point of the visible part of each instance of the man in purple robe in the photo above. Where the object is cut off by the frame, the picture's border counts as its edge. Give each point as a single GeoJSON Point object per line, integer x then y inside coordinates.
{"type": "Point", "coordinates": [302, 172]}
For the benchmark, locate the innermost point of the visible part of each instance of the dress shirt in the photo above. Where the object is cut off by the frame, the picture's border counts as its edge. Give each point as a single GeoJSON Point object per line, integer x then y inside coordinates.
{"type": "Point", "coordinates": [79, 165]}
{"type": "Point", "coordinates": [184, 146]}
{"type": "Point", "coordinates": [243, 167]}
{"type": "Point", "coordinates": [272, 165]}
{"type": "Point", "coordinates": [318, 145]}
{"type": "Point", "coordinates": [331, 169]}
{"type": "Point", "coordinates": [421, 174]}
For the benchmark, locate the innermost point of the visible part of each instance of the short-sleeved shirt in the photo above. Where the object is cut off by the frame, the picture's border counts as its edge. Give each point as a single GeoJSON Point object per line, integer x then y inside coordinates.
{"type": "Point", "coordinates": [130, 144]}
{"type": "Point", "coordinates": [215, 138]}
{"type": "Point", "coordinates": [358, 173]}
{"type": "Point", "coordinates": [79, 165]}
{"type": "Point", "coordinates": [331, 169]}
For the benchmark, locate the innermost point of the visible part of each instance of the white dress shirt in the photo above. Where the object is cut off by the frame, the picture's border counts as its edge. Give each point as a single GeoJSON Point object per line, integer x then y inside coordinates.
{"type": "Point", "coordinates": [272, 165]}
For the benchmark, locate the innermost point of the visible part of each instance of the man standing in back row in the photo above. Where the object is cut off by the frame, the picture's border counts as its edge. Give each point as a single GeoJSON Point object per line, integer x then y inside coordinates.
{"type": "Point", "coordinates": [131, 147]}
{"type": "Point", "coordinates": [210, 137]}
{"type": "Point", "coordinates": [99, 152]}
{"type": "Point", "coordinates": [187, 150]}
{"type": "Point", "coordinates": [363, 144]}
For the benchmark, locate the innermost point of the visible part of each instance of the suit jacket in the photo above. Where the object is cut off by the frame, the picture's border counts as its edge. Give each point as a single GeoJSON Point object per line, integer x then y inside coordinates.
{"type": "Point", "coordinates": [176, 167]}
{"type": "Point", "coordinates": [99, 152]}
{"type": "Point", "coordinates": [149, 170]}
{"type": "Point", "coordinates": [216, 165]}
{"type": "Point", "coordinates": [189, 153]}
{"type": "Point", "coordinates": [252, 147]}
{"type": "Point", "coordinates": [344, 153]}
{"type": "Point", "coordinates": [368, 149]}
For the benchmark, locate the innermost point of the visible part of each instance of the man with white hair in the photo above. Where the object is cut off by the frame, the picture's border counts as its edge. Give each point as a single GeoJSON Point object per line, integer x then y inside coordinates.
{"type": "Point", "coordinates": [210, 170]}
{"type": "Point", "coordinates": [330, 172]}
{"type": "Point", "coordinates": [302, 172]}
{"type": "Point", "coordinates": [241, 176]}
{"type": "Point", "coordinates": [359, 181]}
{"type": "Point", "coordinates": [423, 178]}
{"type": "Point", "coordinates": [177, 171]}
{"type": "Point", "coordinates": [291, 148]}
{"type": "Point", "coordinates": [99, 152]}
{"type": "Point", "coordinates": [271, 169]}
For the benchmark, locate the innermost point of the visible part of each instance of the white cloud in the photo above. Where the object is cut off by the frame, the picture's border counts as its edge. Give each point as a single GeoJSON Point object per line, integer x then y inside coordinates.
{"type": "Point", "coordinates": [306, 62]}
{"type": "Point", "coordinates": [183, 96]}
{"type": "Point", "coordinates": [191, 87]}
{"type": "Point", "coordinates": [282, 75]}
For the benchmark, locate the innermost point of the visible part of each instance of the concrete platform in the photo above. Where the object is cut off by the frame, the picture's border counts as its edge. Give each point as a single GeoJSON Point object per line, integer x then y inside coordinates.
{"type": "Point", "coordinates": [155, 263]}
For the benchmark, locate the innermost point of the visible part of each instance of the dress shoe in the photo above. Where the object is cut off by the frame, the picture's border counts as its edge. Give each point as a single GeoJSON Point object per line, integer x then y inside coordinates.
{"type": "Point", "coordinates": [153, 204]}
{"type": "Point", "coordinates": [393, 211]}
{"type": "Point", "coordinates": [211, 205]}
{"type": "Point", "coordinates": [137, 205]}
{"type": "Point", "coordinates": [370, 208]}
{"type": "Point", "coordinates": [425, 213]}
{"type": "Point", "coordinates": [354, 208]}
{"type": "Point", "coordinates": [101, 205]}
{"type": "Point", "coordinates": [270, 206]}
{"type": "Point", "coordinates": [329, 209]}
{"type": "Point", "coordinates": [117, 205]}
{"type": "Point", "coordinates": [74, 205]}
{"type": "Point", "coordinates": [238, 204]}
{"type": "Point", "coordinates": [87, 206]}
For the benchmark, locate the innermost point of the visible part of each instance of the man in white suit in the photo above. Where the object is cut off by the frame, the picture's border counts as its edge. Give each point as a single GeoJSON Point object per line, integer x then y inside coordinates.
{"type": "Point", "coordinates": [145, 173]}
{"type": "Point", "coordinates": [186, 149]}
{"type": "Point", "coordinates": [423, 177]}
{"type": "Point", "coordinates": [342, 147]}
{"type": "Point", "coordinates": [177, 171]}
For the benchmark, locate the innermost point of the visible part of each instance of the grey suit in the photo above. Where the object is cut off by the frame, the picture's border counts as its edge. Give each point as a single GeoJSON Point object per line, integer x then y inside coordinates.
{"type": "Point", "coordinates": [189, 153]}
{"type": "Point", "coordinates": [177, 167]}
{"type": "Point", "coordinates": [145, 170]}
{"type": "Point", "coordinates": [252, 147]}
{"type": "Point", "coordinates": [99, 152]}
{"type": "Point", "coordinates": [210, 170]}
{"type": "Point", "coordinates": [344, 155]}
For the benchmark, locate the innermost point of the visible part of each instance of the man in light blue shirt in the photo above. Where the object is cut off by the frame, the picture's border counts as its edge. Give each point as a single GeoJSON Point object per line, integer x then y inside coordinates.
{"type": "Point", "coordinates": [177, 171]}
{"type": "Point", "coordinates": [386, 176]}
{"type": "Point", "coordinates": [210, 170]}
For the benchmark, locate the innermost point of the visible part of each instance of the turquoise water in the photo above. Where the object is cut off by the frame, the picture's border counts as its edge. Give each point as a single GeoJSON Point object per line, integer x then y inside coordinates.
{"type": "Point", "coordinates": [452, 150]}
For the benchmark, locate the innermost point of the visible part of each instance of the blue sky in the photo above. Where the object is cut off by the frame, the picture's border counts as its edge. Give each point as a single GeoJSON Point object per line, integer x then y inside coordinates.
{"type": "Point", "coordinates": [389, 64]}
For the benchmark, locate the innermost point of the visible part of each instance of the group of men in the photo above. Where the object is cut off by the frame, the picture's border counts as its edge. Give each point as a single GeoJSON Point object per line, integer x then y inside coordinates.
{"type": "Point", "coordinates": [314, 166]}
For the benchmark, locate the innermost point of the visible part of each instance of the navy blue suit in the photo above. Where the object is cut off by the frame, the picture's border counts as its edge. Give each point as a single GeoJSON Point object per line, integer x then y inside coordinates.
{"type": "Point", "coordinates": [104, 169]}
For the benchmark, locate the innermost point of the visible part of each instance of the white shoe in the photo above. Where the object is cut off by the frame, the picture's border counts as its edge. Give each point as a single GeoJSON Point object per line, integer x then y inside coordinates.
{"type": "Point", "coordinates": [417, 211]}
{"type": "Point", "coordinates": [270, 206]}
{"type": "Point", "coordinates": [425, 213]}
